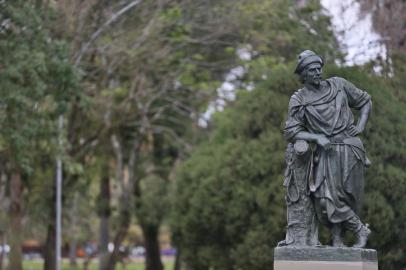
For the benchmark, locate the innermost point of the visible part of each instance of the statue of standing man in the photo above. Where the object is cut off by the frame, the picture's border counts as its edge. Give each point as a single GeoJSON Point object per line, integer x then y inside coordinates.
{"type": "Point", "coordinates": [325, 156]}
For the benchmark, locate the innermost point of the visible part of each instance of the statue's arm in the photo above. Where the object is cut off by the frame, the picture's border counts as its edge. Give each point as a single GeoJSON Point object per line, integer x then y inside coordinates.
{"type": "Point", "coordinates": [365, 111]}
{"type": "Point", "coordinates": [359, 100]}
{"type": "Point", "coordinates": [307, 136]}
{"type": "Point", "coordinates": [320, 139]}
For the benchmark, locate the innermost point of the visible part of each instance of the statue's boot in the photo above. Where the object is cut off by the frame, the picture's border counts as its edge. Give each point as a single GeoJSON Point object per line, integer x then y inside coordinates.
{"type": "Point", "coordinates": [362, 236]}
{"type": "Point", "coordinates": [337, 235]}
{"type": "Point", "coordinates": [360, 230]}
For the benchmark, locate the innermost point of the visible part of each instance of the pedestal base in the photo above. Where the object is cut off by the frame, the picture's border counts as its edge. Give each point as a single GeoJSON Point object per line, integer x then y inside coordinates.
{"type": "Point", "coordinates": [324, 258]}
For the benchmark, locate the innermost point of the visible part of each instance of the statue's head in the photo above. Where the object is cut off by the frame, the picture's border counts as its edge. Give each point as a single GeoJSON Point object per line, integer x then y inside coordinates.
{"type": "Point", "coordinates": [309, 67]}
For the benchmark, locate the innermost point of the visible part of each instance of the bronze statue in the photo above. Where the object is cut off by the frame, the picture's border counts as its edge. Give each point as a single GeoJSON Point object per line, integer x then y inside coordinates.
{"type": "Point", "coordinates": [325, 157]}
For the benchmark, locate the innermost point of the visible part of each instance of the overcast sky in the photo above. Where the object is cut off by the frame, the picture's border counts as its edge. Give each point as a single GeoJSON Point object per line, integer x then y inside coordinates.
{"type": "Point", "coordinates": [354, 32]}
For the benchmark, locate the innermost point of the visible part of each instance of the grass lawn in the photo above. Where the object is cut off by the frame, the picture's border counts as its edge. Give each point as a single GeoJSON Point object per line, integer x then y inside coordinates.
{"type": "Point", "coordinates": [38, 265]}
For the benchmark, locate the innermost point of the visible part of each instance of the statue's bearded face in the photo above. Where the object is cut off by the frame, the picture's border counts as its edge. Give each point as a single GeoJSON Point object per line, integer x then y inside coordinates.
{"type": "Point", "coordinates": [312, 74]}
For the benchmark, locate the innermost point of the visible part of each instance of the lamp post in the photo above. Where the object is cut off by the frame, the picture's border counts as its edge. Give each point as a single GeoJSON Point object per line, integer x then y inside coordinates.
{"type": "Point", "coordinates": [59, 198]}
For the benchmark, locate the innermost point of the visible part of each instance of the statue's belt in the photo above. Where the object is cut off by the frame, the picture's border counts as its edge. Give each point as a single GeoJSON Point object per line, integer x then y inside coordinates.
{"type": "Point", "coordinates": [301, 146]}
{"type": "Point", "coordinates": [352, 141]}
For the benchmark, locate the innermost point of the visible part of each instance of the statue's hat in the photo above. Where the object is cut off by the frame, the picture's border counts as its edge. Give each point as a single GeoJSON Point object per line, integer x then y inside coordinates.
{"type": "Point", "coordinates": [306, 58]}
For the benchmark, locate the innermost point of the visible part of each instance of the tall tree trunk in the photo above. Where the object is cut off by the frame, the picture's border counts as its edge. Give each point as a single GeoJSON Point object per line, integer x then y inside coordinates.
{"type": "Point", "coordinates": [153, 253]}
{"type": "Point", "coordinates": [104, 242]}
{"type": "Point", "coordinates": [74, 242]}
{"type": "Point", "coordinates": [104, 214]}
{"type": "Point", "coordinates": [125, 218]}
{"type": "Point", "coordinates": [3, 241]}
{"type": "Point", "coordinates": [15, 238]}
{"type": "Point", "coordinates": [49, 249]}
{"type": "Point", "coordinates": [124, 176]}
{"type": "Point", "coordinates": [72, 252]}
{"type": "Point", "coordinates": [178, 263]}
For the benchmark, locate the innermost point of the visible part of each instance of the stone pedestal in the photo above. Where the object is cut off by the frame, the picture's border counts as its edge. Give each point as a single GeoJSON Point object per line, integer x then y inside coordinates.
{"type": "Point", "coordinates": [324, 258]}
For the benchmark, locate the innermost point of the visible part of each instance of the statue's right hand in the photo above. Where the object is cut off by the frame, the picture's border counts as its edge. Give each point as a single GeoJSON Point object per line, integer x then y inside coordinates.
{"type": "Point", "coordinates": [323, 142]}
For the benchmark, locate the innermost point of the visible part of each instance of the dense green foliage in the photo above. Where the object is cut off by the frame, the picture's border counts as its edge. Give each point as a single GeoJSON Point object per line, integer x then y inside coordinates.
{"type": "Point", "coordinates": [229, 206]}
{"type": "Point", "coordinates": [37, 82]}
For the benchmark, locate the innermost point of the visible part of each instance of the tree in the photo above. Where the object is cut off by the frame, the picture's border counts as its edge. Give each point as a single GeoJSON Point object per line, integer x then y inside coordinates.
{"type": "Point", "coordinates": [36, 83]}
{"type": "Point", "coordinates": [137, 70]}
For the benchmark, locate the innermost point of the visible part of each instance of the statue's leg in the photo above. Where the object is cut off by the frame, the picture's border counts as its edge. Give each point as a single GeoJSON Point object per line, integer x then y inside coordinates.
{"type": "Point", "coordinates": [321, 212]}
{"type": "Point", "coordinates": [337, 230]}
{"type": "Point", "coordinates": [360, 230]}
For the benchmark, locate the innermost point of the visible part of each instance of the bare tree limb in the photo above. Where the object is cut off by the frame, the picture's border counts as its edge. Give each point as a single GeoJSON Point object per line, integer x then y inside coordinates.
{"type": "Point", "coordinates": [102, 28]}
{"type": "Point", "coordinates": [119, 157]}
{"type": "Point", "coordinates": [162, 129]}
{"type": "Point", "coordinates": [146, 31]}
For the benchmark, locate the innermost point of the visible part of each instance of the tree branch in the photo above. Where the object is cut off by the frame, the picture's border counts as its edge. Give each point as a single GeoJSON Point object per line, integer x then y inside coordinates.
{"type": "Point", "coordinates": [102, 28]}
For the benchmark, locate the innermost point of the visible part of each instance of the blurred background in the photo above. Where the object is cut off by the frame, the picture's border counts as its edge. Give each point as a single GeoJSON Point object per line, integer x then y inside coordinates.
{"type": "Point", "coordinates": [166, 117]}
